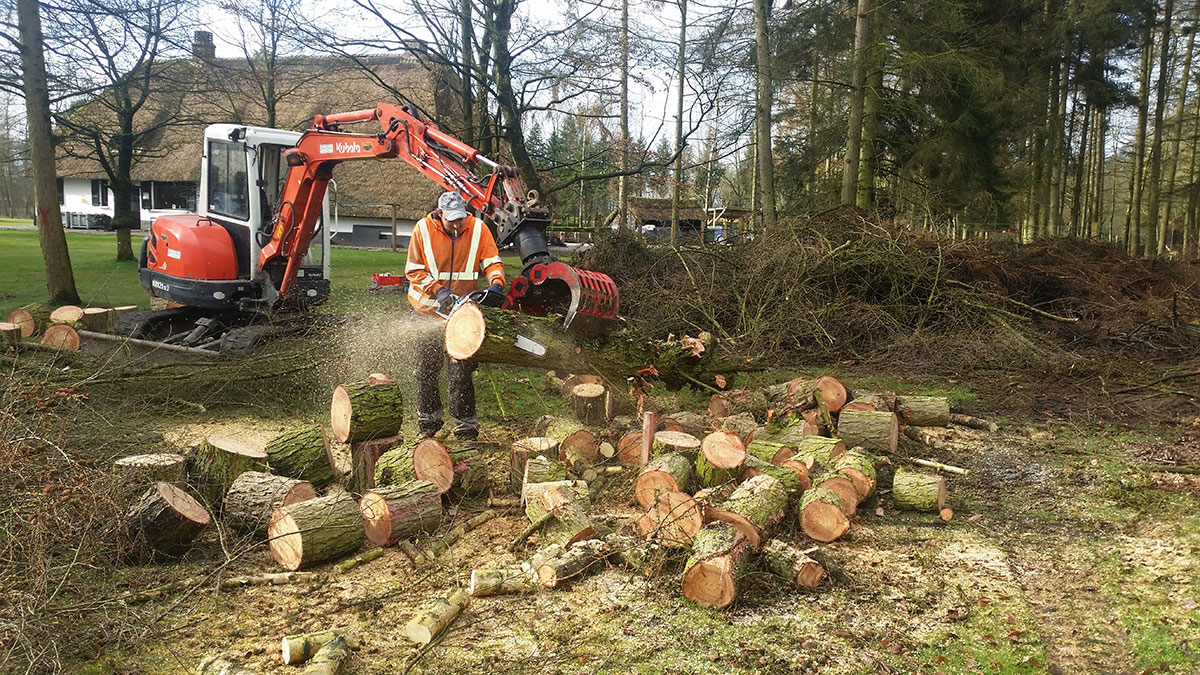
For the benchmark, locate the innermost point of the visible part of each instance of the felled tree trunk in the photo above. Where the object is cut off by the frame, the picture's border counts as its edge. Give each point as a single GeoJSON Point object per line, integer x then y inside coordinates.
{"type": "Point", "coordinates": [253, 497]}
{"type": "Point", "coordinates": [486, 582]}
{"type": "Point", "coordinates": [672, 520]}
{"type": "Point", "coordinates": [301, 453]}
{"type": "Point", "coordinates": [164, 520]}
{"type": "Point", "coordinates": [61, 336]}
{"type": "Point", "coordinates": [876, 431]}
{"type": "Point", "coordinates": [822, 516]}
{"type": "Point", "coordinates": [142, 470]}
{"type": "Point", "coordinates": [793, 475]}
{"type": "Point", "coordinates": [668, 472]}
{"type": "Point", "coordinates": [860, 469]}
{"type": "Point", "coordinates": [713, 575]}
{"type": "Point", "coordinates": [570, 434]}
{"type": "Point", "coordinates": [433, 619]}
{"type": "Point", "coordinates": [918, 492]}
{"type": "Point", "coordinates": [361, 411]}
{"type": "Point", "coordinates": [843, 487]}
{"type": "Point", "coordinates": [792, 564]}
{"type": "Point", "coordinates": [425, 459]}
{"type": "Point", "coordinates": [522, 451]}
{"type": "Point", "coordinates": [329, 659]}
{"type": "Point", "coordinates": [754, 508]}
{"type": "Point", "coordinates": [32, 319]}
{"type": "Point", "coordinates": [573, 562]}
{"type": "Point", "coordinates": [470, 473]}
{"type": "Point", "coordinates": [589, 403]}
{"type": "Point", "coordinates": [396, 511]}
{"type": "Point", "coordinates": [310, 532]}
{"type": "Point", "coordinates": [218, 461]}
{"type": "Point", "coordinates": [924, 411]}
{"type": "Point", "coordinates": [489, 335]}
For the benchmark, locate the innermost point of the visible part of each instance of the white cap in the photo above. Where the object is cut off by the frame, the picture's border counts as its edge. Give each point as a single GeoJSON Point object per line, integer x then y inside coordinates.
{"type": "Point", "coordinates": [452, 206]}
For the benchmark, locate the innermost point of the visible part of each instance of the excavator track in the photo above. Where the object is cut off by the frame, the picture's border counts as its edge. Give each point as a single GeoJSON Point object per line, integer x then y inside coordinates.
{"type": "Point", "coordinates": [223, 332]}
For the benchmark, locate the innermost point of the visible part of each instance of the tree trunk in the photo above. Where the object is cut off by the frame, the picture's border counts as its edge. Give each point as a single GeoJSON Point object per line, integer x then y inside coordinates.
{"type": "Point", "coordinates": [875, 431]}
{"type": "Point", "coordinates": [681, 69]}
{"type": "Point", "coordinates": [764, 96]}
{"type": "Point", "coordinates": [470, 473]}
{"type": "Point", "coordinates": [1172, 172]}
{"type": "Point", "coordinates": [821, 515]}
{"type": "Point", "coordinates": [311, 532]}
{"type": "Point", "coordinates": [667, 472]}
{"type": "Point", "coordinates": [573, 562]}
{"type": "Point", "coordinates": [524, 450]}
{"type": "Point", "coordinates": [754, 508]}
{"type": "Point", "coordinates": [1133, 220]}
{"type": "Point", "coordinates": [217, 461]}
{"type": "Point", "coordinates": [142, 470]}
{"type": "Point", "coordinates": [871, 101]}
{"type": "Point", "coordinates": [1156, 245]}
{"type": "Point", "coordinates": [862, 38]}
{"type": "Point", "coordinates": [506, 96]}
{"type": "Point", "coordinates": [302, 453]}
{"type": "Point", "coordinates": [623, 181]}
{"type": "Point", "coordinates": [32, 318]}
{"type": "Point", "coordinates": [364, 410]}
{"type": "Point", "coordinates": [253, 497]}
{"type": "Point", "coordinates": [433, 619]}
{"type": "Point", "coordinates": [918, 492]}
{"type": "Point", "coordinates": [672, 520]}
{"type": "Point", "coordinates": [629, 448]}
{"type": "Point", "coordinates": [397, 511]}
{"type": "Point", "coordinates": [60, 280]}
{"type": "Point", "coordinates": [426, 459]}
{"type": "Point", "coordinates": [792, 564]}
{"type": "Point", "coordinates": [164, 520]}
{"type": "Point", "coordinates": [297, 649]}
{"type": "Point", "coordinates": [122, 221]}
{"type": "Point", "coordinates": [713, 574]}
{"type": "Point", "coordinates": [924, 411]}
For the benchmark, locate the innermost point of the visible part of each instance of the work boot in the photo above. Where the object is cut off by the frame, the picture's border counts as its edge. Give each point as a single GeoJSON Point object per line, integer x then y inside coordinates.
{"type": "Point", "coordinates": [428, 430]}
{"type": "Point", "coordinates": [468, 434]}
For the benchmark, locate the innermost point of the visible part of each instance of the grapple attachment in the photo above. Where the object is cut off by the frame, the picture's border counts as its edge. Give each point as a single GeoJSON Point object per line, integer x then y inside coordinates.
{"type": "Point", "coordinates": [587, 300]}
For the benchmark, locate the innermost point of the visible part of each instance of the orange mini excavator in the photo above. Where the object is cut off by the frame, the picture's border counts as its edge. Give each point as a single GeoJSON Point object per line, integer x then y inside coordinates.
{"type": "Point", "coordinates": [243, 266]}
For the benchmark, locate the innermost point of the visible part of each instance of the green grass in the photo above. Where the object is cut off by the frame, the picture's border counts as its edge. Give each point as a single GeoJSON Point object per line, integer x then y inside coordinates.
{"type": "Point", "coordinates": [16, 221]}
{"type": "Point", "coordinates": [102, 281]}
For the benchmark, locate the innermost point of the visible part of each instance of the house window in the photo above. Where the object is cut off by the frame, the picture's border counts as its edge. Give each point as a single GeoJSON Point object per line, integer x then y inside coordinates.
{"type": "Point", "coordinates": [99, 192]}
{"type": "Point", "coordinates": [173, 195]}
{"type": "Point", "coordinates": [228, 189]}
{"type": "Point", "coordinates": [62, 197]}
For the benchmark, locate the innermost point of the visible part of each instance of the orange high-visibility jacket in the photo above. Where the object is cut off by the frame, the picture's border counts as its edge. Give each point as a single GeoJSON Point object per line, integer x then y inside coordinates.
{"type": "Point", "coordinates": [436, 261]}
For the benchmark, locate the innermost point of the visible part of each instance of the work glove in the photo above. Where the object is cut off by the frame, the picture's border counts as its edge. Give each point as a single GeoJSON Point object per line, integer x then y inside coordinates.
{"type": "Point", "coordinates": [493, 296]}
{"type": "Point", "coordinates": [445, 300]}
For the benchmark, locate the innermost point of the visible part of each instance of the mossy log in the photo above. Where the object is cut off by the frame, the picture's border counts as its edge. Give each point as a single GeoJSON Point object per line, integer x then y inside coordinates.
{"type": "Point", "coordinates": [253, 497]}
{"type": "Point", "coordinates": [792, 564]}
{"type": "Point", "coordinates": [311, 532]}
{"type": "Point", "coordinates": [142, 470]}
{"type": "Point", "coordinates": [857, 465]}
{"type": "Point", "coordinates": [794, 476]}
{"type": "Point", "coordinates": [434, 619]}
{"type": "Point", "coordinates": [360, 411]}
{"type": "Point", "coordinates": [819, 450]}
{"type": "Point", "coordinates": [876, 431]}
{"type": "Point", "coordinates": [918, 492]}
{"type": "Point", "coordinates": [573, 562]}
{"type": "Point", "coordinates": [822, 516]}
{"type": "Point", "coordinates": [842, 486]}
{"type": "Point", "coordinates": [687, 422]}
{"type": "Point", "coordinates": [742, 424]}
{"type": "Point", "coordinates": [800, 392]}
{"type": "Point", "coordinates": [723, 450]}
{"type": "Point", "coordinates": [364, 455]}
{"type": "Point", "coordinates": [629, 448]}
{"type": "Point", "coordinates": [769, 451]}
{"type": "Point", "coordinates": [522, 451]}
{"type": "Point", "coordinates": [10, 333]}
{"type": "Point", "coordinates": [217, 461]}
{"type": "Point", "coordinates": [639, 555]}
{"type": "Point", "coordinates": [924, 411]}
{"type": "Point", "coordinates": [70, 315]}
{"type": "Point", "coordinates": [713, 575]}
{"type": "Point", "coordinates": [672, 520]}
{"type": "Point", "coordinates": [542, 469]}
{"type": "Point", "coordinates": [709, 476]}
{"type": "Point", "coordinates": [329, 659]}
{"type": "Point", "coordinates": [61, 336]}
{"type": "Point", "coordinates": [489, 335]}
{"type": "Point", "coordinates": [32, 319]}
{"type": "Point", "coordinates": [577, 465]}
{"type": "Point", "coordinates": [396, 511]}
{"type": "Point", "coordinates": [301, 453]}
{"type": "Point", "coordinates": [470, 473]}
{"type": "Point", "coordinates": [677, 442]}
{"type": "Point", "coordinates": [572, 522]}
{"type": "Point", "coordinates": [667, 472]}
{"type": "Point", "coordinates": [718, 406]}
{"type": "Point", "coordinates": [424, 459]}
{"type": "Point", "coordinates": [879, 402]}
{"type": "Point", "coordinates": [790, 436]}
{"type": "Point", "coordinates": [570, 434]}
{"type": "Point", "coordinates": [99, 319]}
{"type": "Point", "coordinates": [754, 508]}
{"type": "Point", "coordinates": [590, 403]}
{"type": "Point", "coordinates": [300, 648]}
{"type": "Point", "coordinates": [555, 530]}
{"type": "Point", "coordinates": [485, 582]}
{"type": "Point", "coordinates": [164, 520]}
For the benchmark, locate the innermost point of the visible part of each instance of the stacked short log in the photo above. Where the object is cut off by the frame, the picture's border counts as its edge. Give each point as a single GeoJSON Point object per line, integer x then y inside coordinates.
{"type": "Point", "coordinates": [311, 532]}
{"type": "Point", "coordinates": [98, 319]}
{"type": "Point", "coordinates": [302, 453]}
{"type": "Point", "coordinates": [70, 315]}
{"type": "Point", "coordinates": [394, 512]}
{"type": "Point", "coordinates": [253, 497]}
{"type": "Point", "coordinates": [717, 568]}
{"type": "Point", "coordinates": [424, 459]}
{"type": "Point", "coordinates": [364, 455]}
{"type": "Point", "coordinates": [218, 461]}
{"type": "Point", "coordinates": [924, 411]}
{"type": "Point", "coordinates": [570, 434]}
{"type": "Point", "coordinates": [666, 442]}
{"type": "Point", "coordinates": [32, 319]}
{"type": "Point", "coordinates": [522, 451]}
{"type": "Point", "coordinates": [360, 411]}
{"type": "Point", "coordinates": [858, 466]}
{"type": "Point", "coordinates": [720, 459]}
{"type": "Point", "coordinates": [163, 521]}
{"type": "Point", "coordinates": [874, 430]}
{"type": "Point", "coordinates": [672, 520]}
{"type": "Point", "coordinates": [142, 470]}
{"type": "Point", "coordinates": [667, 472]}
{"type": "Point", "coordinates": [918, 492]}
{"type": "Point", "coordinates": [754, 508]}
{"type": "Point", "coordinates": [822, 515]}
{"type": "Point", "coordinates": [61, 336]}
{"type": "Point", "coordinates": [842, 486]}
{"type": "Point", "coordinates": [792, 564]}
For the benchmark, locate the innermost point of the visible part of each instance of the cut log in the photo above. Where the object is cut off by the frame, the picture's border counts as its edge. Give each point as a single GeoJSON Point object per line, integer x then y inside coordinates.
{"type": "Point", "coordinates": [425, 459]}
{"type": "Point", "coordinates": [219, 665]}
{"type": "Point", "coordinates": [329, 659]}
{"type": "Point", "coordinates": [822, 516]}
{"type": "Point", "coordinates": [361, 411]}
{"type": "Point", "coordinates": [437, 616]}
{"type": "Point", "coordinates": [677, 442]}
{"type": "Point", "coordinates": [709, 476]}
{"type": "Point", "coordinates": [311, 532]}
{"type": "Point", "coordinates": [667, 472]}
{"type": "Point", "coordinates": [572, 563]}
{"type": "Point", "coordinates": [253, 497]}
{"type": "Point", "coordinates": [589, 402]}
{"type": "Point", "coordinates": [396, 511]}
{"type": "Point", "coordinates": [522, 451]}
{"type": "Point", "coordinates": [568, 385]}
{"type": "Point", "coordinates": [570, 513]}
{"type": "Point", "coordinates": [686, 422]}
{"type": "Point", "coordinates": [569, 434]}
{"type": "Point", "coordinates": [364, 455]}
{"type": "Point", "coordinates": [301, 453]}
{"type": "Point", "coordinates": [742, 424]}
{"type": "Point", "coordinates": [32, 318]}
{"type": "Point", "coordinates": [794, 476]}
{"type": "Point", "coordinates": [714, 573]}
{"type": "Point", "coordinates": [819, 450]}
{"type": "Point", "coordinates": [164, 520]}
{"type": "Point", "coordinates": [10, 333]}
{"type": "Point", "coordinates": [430, 552]}
{"type": "Point", "coordinates": [718, 406]}
{"type": "Point", "coordinates": [723, 450]}
{"type": "Point", "coordinates": [67, 314]}
{"type": "Point", "coordinates": [470, 473]}
{"type": "Point", "coordinates": [792, 564]}
{"type": "Point", "coordinates": [61, 336]}
{"type": "Point", "coordinates": [859, 467]}
{"type": "Point", "coordinates": [918, 492]}
{"type": "Point", "coordinates": [123, 310]}
{"type": "Point", "coordinates": [769, 451]}
{"type": "Point", "coordinates": [542, 469]}
{"type": "Point", "coordinates": [924, 411]}
{"type": "Point", "coordinates": [99, 319]}
{"type": "Point", "coordinates": [672, 520]}
{"type": "Point", "coordinates": [973, 422]}
{"type": "Point", "coordinates": [300, 648]}
{"type": "Point", "coordinates": [578, 466]}
{"type": "Point", "coordinates": [800, 392]}
{"type": "Point", "coordinates": [638, 555]}
{"type": "Point", "coordinates": [873, 430]}
{"type": "Point", "coordinates": [217, 461]}
{"type": "Point", "coordinates": [486, 582]}
{"type": "Point", "coordinates": [141, 470]}
{"type": "Point", "coordinates": [629, 448]}
{"type": "Point", "coordinates": [843, 487]}
{"type": "Point", "coordinates": [754, 508]}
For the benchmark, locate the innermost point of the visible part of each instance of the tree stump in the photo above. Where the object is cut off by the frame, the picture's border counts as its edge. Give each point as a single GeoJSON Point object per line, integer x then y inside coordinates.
{"type": "Point", "coordinates": [10, 333]}
{"type": "Point", "coordinates": [522, 451]}
{"type": "Point", "coordinates": [141, 470]}
{"type": "Point", "coordinates": [361, 411]}
{"type": "Point", "coordinates": [302, 453]}
{"type": "Point", "coordinates": [924, 411]}
{"type": "Point", "coordinates": [253, 497]}
{"type": "Point", "coordinates": [364, 455]}
{"type": "Point", "coordinates": [67, 314]}
{"type": "Point", "coordinates": [425, 459]}
{"type": "Point", "coordinates": [859, 467]}
{"type": "Point", "coordinates": [792, 564]}
{"type": "Point", "coordinates": [217, 461]}
{"type": "Point", "coordinates": [570, 434]}
{"type": "Point", "coordinates": [794, 476]}
{"type": "Point", "coordinates": [470, 473]}
{"type": "Point", "coordinates": [843, 487]}
{"type": "Point", "coordinates": [164, 520]}
{"type": "Point", "coordinates": [754, 508]}
{"type": "Point", "coordinates": [397, 511]}
{"type": "Point", "coordinates": [822, 516]}
{"type": "Point", "coordinates": [485, 582]}
{"type": "Point", "coordinates": [426, 625]}
{"type": "Point", "coordinates": [873, 430]}
{"type": "Point", "coordinates": [573, 562]}
{"type": "Point", "coordinates": [567, 386]}
{"type": "Point", "coordinates": [672, 520]}
{"type": "Point", "coordinates": [32, 319]}
{"type": "Point", "coordinates": [667, 472]}
{"type": "Point", "coordinates": [918, 492]}
{"type": "Point", "coordinates": [99, 319]}
{"type": "Point", "coordinates": [61, 336]}
{"type": "Point", "coordinates": [679, 442]}
{"type": "Point", "coordinates": [311, 532]}
{"type": "Point", "coordinates": [800, 392]}
{"type": "Point", "coordinates": [713, 574]}
{"type": "Point", "coordinates": [589, 403]}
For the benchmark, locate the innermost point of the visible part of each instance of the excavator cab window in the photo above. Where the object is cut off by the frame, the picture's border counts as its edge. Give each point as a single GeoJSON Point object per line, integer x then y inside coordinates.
{"type": "Point", "coordinates": [228, 189]}
{"type": "Point", "coordinates": [273, 170]}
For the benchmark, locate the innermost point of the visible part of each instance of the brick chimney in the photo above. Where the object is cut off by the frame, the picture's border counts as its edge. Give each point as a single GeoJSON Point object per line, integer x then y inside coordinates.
{"type": "Point", "coordinates": [203, 48]}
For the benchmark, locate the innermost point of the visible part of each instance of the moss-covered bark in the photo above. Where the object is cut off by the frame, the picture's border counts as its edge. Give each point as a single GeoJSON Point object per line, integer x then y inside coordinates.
{"type": "Point", "coordinates": [301, 453]}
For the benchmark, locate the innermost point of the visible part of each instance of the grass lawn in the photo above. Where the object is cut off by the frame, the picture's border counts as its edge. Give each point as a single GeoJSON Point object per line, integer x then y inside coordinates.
{"type": "Point", "coordinates": [102, 281]}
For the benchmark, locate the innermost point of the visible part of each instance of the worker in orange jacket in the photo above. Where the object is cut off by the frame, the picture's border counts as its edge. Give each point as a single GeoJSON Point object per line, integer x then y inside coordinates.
{"type": "Point", "coordinates": [448, 254]}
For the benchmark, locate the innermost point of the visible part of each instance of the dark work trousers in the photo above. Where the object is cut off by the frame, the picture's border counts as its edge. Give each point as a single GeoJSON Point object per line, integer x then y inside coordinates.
{"type": "Point", "coordinates": [429, 354]}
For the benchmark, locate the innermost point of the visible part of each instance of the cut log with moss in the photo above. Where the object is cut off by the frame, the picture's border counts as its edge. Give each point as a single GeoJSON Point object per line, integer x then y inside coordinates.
{"type": "Point", "coordinates": [822, 516]}
{"type": "Point", "coordinates": [470, 473]}
{"type": "Point", "coordinates": [489, 335]}
{"type": "Point", "coordinates": [918, 492]}
{"type": "Point", "coordinates": [885, 402]}
{"type": "Point", "coordinates": [434, 619]}
{"type": "Point", "coordinates": [10, 333]}
{"type": "Point", "coordinates": [165, 521]}
{"type": "Point", "coordinates": [709, 476]}
{"type": "Point", "coordinates": [397, 511]}
{"type": "Point", "coordinates": [578, 466]}
{"type": "Point", "coordinates": [769, 451]}
{"type": "Point", "coordinates": [301, 453]}
{"type": "Point", "coordinates": [715, 572]}
{"type": "Point", "coordinates": [629, 448]}
{"type": "Point", "coordinates": [360, 411]}
{"type": "Point", "coordinates": [217, 461]}
{"type": "Point", "coordinates": [639, 555]}
{"type": "Point", "coordinates": [667, 472]}
{"type": "Point", "coordinates": [570, 434]}
{"type": "Point", "coordinates": [61, 336]}
{"type": "Point", "coordinates": [819, 450]}
{"type": "Point", "coordinates": [723, 450]}
{"type": "Point", "coordinates": [572, 522]}
{"type": "Point", "coordinates": [67, 314]}
{"type": "Point", "coordinates": [842, 486]}
{"type": "Point", "coordinates": [754, 508]}
{"type": "Point", "coordinates": [672, 520]}
{"type": "Point", "coordinates": [792, 564]}
{"type": "Point", "coordinates": [742, 424]}
{"type": "Point", "coordinates": [424, 459]}
{"type": "Point", "coordinates": [485, 582]}
{"type": "Point", "coordinates": [314, 531]}
{"type": "Point", "coordinates": [300, 648]}
{"type": "Point", "coordinates": [572, 563]}
{"type": "Point", "coordinates": [687, 422]}
{"type": "Point", "coordinates": [32, 319]}
{"type": "Point", "coordinates": [924, 411]}
{"type": "Point", "coordinates": [793, 481]}
{"type": "Point", "coordinates": [142, 470]}
{"type": "Point", "coordinates": [857, 465]}
{"type": "Point", "coordinates": [800, 392]}
{"type": "Point", "coordinates": [677, 442]}
{"type": "Point", "coordinates": [589, 403]}
{"type": "Point", "coordinates": [253, 497]}
{"type": "Point", "coordinates": [718, 406]}
{"type": "Point", "coordinates": [329, 659]}
{"type": "Point", "coordinates": [542, 469]}
{"type": "Point", "coordinates": [364, 455]}
{"type": "Point", "coordinates": [522, 451]}
{"type": "Point", "coordinates": [876, 431]}
{"type": "Point", "coordinates": [99, 319]}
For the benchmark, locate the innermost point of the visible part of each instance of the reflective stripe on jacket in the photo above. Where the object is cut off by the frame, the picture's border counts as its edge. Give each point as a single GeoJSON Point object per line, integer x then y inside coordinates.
{"type": "Point", "coordinates": [436, 260]}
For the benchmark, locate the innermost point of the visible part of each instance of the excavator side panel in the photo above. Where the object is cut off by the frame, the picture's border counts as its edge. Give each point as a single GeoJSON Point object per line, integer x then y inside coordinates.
{"type": "Point", "coordinates": [191, 260]}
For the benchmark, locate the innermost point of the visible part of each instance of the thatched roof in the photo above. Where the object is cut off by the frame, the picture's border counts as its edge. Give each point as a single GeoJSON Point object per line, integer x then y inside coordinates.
{"type": "Point", "coordinates": [191, 94]}
{"type": "Point", "coordinates": [650, 210]}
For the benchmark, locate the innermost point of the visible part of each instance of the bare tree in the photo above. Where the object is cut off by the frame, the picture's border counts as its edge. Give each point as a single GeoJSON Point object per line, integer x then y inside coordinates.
{"type": "Point", "coordinates": [764, 97]}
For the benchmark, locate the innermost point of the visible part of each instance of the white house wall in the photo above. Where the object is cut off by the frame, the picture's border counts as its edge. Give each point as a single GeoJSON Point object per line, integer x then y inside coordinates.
{"type": "Point", "coordinates": [77, 198]}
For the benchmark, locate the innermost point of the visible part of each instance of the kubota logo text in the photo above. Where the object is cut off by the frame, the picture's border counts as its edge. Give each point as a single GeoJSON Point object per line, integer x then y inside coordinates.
{"type": "Point", "coordinates": [349, 147]}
